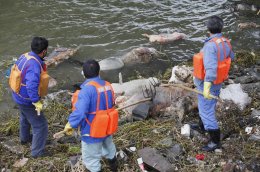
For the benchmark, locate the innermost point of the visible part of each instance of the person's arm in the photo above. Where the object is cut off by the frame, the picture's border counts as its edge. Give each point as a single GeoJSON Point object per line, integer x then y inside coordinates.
{"type": "Point", "coordinates": [210, 61]}
{"type": "Point", "coordinates": [32, 80]}
{"type": "Point", "coordinates": [82, 108]}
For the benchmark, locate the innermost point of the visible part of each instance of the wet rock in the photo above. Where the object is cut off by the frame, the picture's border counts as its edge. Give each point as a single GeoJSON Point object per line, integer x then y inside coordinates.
{"type": "Point", "coordinates": [74, 159]}
{"type": "Point", "coordinates": [253, 87]}
{"type": "Point", "coordinates": [141, 111]}
{"type": "Point", "coordinates": [167, 142]}
{"type": "Point", "coordinates": [255, 113]}
{"type": "Point", "coordinates": [245, 79]}
{"type": "Point", "coordinates": [5, 170]}
{"type": "Point", "coordinates": [254, 137]}
{"type": "Point", "coordinates": [174, 152]}
{"type": "Point", "coordinates": [254, 165]}
{"type": "Point", "coordinates": [76, 164]}
{"type": "Point", "coordinates": [228, 167]}
{"type": "Point", "coordinates": [13, 147]}
{"type": "Point", "coordinates": [154, 160]}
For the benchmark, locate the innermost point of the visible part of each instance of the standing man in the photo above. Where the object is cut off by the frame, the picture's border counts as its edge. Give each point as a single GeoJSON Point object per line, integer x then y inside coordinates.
{"type": "Point", "coordinates": [92, 114]}
{"type": "Point", "coordinates": [211, 67]}
{"type": "Point", "coordinates": [28, 80]}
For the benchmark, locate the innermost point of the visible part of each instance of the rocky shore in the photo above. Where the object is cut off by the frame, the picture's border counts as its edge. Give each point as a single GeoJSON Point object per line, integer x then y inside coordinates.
{"type": "Point", "coordinates": [153, 130]}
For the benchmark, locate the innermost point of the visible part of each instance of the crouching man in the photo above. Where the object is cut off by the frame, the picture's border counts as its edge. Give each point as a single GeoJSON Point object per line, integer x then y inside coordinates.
{"type": "Point", "coordinates": [98, 120]}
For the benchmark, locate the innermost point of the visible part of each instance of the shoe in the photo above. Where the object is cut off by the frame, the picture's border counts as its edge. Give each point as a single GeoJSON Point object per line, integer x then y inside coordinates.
{"type": "Point", "coordinates": [214, 141]}
{"type": "Point", "coordinates": [44, 154]}
{"type": "Point", "coordinates": [113, 164]}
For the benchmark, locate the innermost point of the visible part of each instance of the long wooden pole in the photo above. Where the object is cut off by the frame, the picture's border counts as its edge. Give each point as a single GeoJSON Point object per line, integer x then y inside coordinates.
{"type": "Point", "coordinates": [189, 89]}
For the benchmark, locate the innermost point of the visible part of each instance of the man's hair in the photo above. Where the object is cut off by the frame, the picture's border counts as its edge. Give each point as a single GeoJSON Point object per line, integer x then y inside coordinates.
{"type": "Point", "coordinates": [39, 44]}
{"type": "Point", "coordinates": [91, 69]}
{"type": "Point", "coordinates": [215, 24]}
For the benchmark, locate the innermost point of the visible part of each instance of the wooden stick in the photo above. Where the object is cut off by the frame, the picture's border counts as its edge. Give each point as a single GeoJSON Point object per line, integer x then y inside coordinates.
{"type": "Point", "coordinates": [189, 89]}
{"type": "Point", "coordinates": [132, 104]}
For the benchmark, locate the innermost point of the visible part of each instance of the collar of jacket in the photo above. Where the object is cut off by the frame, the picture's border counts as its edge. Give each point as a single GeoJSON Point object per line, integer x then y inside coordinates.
{"type": "Point", "coordinates": [213, 36]}
{"type": "Point", "coordinates": [88, 80]}
{"type": "Point", "coordinates": [37, 57]}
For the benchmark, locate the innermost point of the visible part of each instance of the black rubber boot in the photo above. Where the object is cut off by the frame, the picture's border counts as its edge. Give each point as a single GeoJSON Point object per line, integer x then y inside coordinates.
{"type": "Point", "coordinates": [214, 142]}
{"type": "Point", "coordinates": [113, 164]}
{"type": "Point", "coordinates": [198, 127]}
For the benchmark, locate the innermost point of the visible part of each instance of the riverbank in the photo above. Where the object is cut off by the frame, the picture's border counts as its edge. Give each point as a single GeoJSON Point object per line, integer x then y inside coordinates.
{"type": "Point", "coordinates": [241, 151]}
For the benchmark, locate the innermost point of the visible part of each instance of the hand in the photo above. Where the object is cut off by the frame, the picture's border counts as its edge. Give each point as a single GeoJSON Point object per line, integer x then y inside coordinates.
{"type": "Point", "coordinates": [38, 106]}
{"type": "Point", "coordinates": [68, 129]}
{"type": "Point", "coordinates": [206, 90]}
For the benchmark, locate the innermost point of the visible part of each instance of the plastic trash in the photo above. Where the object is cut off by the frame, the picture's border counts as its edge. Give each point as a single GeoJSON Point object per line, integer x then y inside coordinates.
{"type": "Point", "coordinates": [141, 164]}
{"type": "Point", "coordinates": [185, 130]}
{"type": "Point", "coordinates": [200, 157]}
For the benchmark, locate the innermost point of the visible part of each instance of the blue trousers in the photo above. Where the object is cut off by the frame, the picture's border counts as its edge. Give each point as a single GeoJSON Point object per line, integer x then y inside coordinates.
{"type": "Point", "coordinates": [93, 152]}
{"type": "Point", "coordinates": [207, 106]}
{"type": "Point", "coordinates": [29, 119]}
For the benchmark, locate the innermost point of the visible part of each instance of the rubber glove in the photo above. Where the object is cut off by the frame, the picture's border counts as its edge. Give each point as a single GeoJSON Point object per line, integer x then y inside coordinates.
{"type": "Point", "coordinates": [206, 90]}
{"type": "Point", "coordinates": [38, 107]}
{"type": "Point", "coordinates": [69, 130]}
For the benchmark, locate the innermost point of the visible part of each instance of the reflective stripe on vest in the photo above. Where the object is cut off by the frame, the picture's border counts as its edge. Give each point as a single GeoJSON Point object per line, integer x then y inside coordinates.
{"type": "Point", "coordinates": [99, 90]}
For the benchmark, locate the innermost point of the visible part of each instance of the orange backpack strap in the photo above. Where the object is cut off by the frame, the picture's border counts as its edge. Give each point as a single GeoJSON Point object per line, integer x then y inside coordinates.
{"type": "Point", "coordinates": [109, 87]}
{"type": "Point", "coordinates": [217, 41]}
{"type": "Point", "coordinates": [28, 57]}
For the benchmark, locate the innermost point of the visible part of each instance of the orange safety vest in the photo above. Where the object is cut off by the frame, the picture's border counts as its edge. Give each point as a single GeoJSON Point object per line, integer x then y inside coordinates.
{"type": "Point", "coordinates": [74, 99]}
{"type": "Point", "coordinates": [15, 80]}
{"type": "Point", "coordinates": [223, 66]}
{"type": "Point", "coordinates": [105, 122]}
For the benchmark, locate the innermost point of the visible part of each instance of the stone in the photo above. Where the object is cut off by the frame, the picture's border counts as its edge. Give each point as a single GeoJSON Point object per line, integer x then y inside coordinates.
{"type": "Point", "coordinates": [167, 142]}
{"type": "Point", "coordinates": [255, 113]}
{"type": "Point", "coordinates": [154, 160]}
{"type": "Point", "coordinates": [174, 152]}
{"type": "Point", "coordinates": [244, 79]}
{"type": "Point", "coordinates": [20, 162]}
{"type": "Point", "coordinates": [251, 87]}
{"type": "Point", "coordinates": [13, 147]}
{"type": "Point", "coordinates": [254, 137]}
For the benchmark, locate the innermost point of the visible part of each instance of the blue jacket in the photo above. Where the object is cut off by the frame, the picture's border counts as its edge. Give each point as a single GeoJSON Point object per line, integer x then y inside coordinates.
{"type": "Point", "coordinates": [210, 58]}
{"type": "Point", "coordinates": [30, 80]}
{"type": "Point", "coordinates": [87, 100]}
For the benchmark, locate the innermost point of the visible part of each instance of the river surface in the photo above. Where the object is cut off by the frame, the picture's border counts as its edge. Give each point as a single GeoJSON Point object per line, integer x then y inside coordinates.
{"type": "Point", "coordinates": [111, 28]}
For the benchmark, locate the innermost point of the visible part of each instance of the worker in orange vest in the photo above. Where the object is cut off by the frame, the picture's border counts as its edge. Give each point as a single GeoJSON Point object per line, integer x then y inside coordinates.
{"type": "Point", "coordinates": [97, 118]}
{"type": "Point", "coordinates": [211, 67]}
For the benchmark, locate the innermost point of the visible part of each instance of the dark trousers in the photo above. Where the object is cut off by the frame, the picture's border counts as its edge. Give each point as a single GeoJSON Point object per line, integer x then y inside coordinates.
{"type": "Point", "coordinates": [30, 119]}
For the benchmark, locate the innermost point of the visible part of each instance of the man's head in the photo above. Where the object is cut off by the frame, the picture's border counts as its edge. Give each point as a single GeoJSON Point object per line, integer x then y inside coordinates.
{"type": "Point", "coordinates": [39, 46]}
{"type": "Point", "coordinates": [91, 69]}
{"type": "Point", "coordinates": [215, 24]}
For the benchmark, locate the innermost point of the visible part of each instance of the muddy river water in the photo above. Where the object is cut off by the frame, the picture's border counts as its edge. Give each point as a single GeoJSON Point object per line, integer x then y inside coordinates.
{"type": "Point", "coordinates": [111, 28]}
